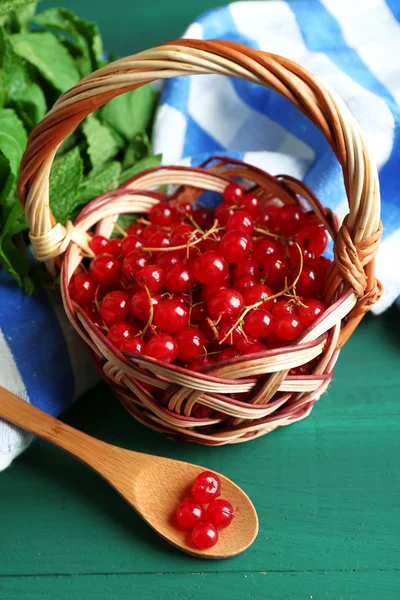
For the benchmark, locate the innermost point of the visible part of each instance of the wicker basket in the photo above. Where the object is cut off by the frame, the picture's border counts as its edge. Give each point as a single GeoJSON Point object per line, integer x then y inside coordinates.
{"type": "Point", "coordinates": [351, 288]}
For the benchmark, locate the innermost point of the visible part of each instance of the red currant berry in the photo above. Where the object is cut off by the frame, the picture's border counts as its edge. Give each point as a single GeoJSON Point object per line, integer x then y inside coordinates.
{"type": "Point", "coordinates": [171, 315]}
{"type": "Point", "coordinates": [120, 332]}
{"type": "Point", "coordinates": [294, 251]}
{"type": "Point", "coordinates": [282, 307]}
{"type": "Point", "coordinates": [162, 214]}
{"type": "Point", "coordinates": [258, 323]}
{"type": "Point", "coordinates": [92, 313]}
{"type": "Point", "coordinates": [159, 239]}
{"type": "Point", "coordinates": [136, 229]}
{"type": "Point", "coordinates": [162, 346]}
{"type": "Point", "coordinates": [209, 245]}
{"type": "Point", "coordinates": [204, 536]}
{"type": "Point", "coordinates": [241, 285]}
{"type": "Point", "coordinates": [274, 270]}
{"type": "Point", "coordinates": [133, 345]}
{"type": "Point", "coordinates": [115, 247]}
{"type": "Point", "coordinates": [140, 304]}
{"type": "Point", "coordinates": [287, 327]}
{"type": "Point", "coordinates": [167, 259]}
{"type": "Point", "coordinates": [232, 194]}
{"type": "Point", "coordinates": [198, 364]}
{"type": "Point", "coordinates": [309, 310]}
{"type": "Point", "coordinates": [251, 204]}
{"type": "Point", "coordinates": [244, 268]}
{"type": "Point", "coordinates": [134, 262]}
{"type": "Point", "coordinates": [189, 513]}
{"type": "Point", "coordinates": [182, 207]}
{"type": "Point", "coordinates": [210, 268]}
{"type": "Point", "coordinates": [228, 354]}
{"type": "Point", "coordinates": [250, 346]}
{"type": "Point", "coordinates": [105, 269]}
{"type": "Point", "coordinates": [234, 336]}
{"type": "Point", "coordinates": [182, 233]}
{"type": "Point", "coordinates": [148, 231]}
{"type": "Point", "coordinates": [191, 343]}
{"type": "Point", "coordinates": [115, 307]}
{"type": "Point", "coordinates": [100, 245]}
{"type": "Point", "coordinates": [314, 238]}
{"type": "Point", "coordinates": [178, 277]}
{"type": "Point", "coordinates": [198, 314]}
{"type": "Point", "coordinates": [322, 265]}
{"type": "Point", "coordinates": [225, 305]}
{"type": "Point", "coordinates": [266, 248]}
{"type": "Point", "coordinates": [259, 292]}
{"type": "Point", "coordinates": [220, 513]}
{"type": "Point", "coordinates": [206, 487]}
{"type": "Point", "coordinates": [241, 221]}
{"type": "Point", "coordinates": [271, 208]}
{"type": "Point", "coordinates": [151, 277]}
{"type": "Point", "coordinates": [266, 220]}
{"type": "Point", "coordinates": [203, 218]}
{"type": "Point", "coordinates": [212, 290]}
{"type": "Point", "coordinates": [290, 219]}
{"type": "Point", "coordinates": [310, 282]}
{"type": "Point", "coordinates": [222, 213]}
{"type": "Point", "coordinates": [130, 243]}
{"type": "Point", "coordinates": [236, 246]}
{"type": "Point", "coordinates": [82, 288]}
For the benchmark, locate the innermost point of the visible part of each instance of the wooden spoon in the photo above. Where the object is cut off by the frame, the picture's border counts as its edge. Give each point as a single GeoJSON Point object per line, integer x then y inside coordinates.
{"type": "Point", "coordinates": [152, 485]}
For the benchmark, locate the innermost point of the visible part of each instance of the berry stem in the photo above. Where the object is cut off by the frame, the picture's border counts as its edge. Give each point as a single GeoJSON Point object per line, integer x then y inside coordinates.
{"type": "Point", "coordinates": [120, 230]}
{"type": "Point", "coordinates": [151, 312]}
{"type": "Point", "coordinates": [188, 245]}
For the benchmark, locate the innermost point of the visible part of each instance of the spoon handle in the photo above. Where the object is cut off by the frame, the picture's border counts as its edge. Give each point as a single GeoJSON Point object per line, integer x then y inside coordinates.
{"type": "Point", "coordinates": [24, 415]}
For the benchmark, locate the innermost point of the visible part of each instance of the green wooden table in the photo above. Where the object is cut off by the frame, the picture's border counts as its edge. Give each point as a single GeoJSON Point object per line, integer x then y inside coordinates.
{"type": "Point", "coordinates": [327, 489]}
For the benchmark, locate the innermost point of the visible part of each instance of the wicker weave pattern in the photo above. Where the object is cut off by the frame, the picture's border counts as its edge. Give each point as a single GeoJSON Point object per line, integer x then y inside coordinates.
{"type": "Point", "coordinates": [276, 398]}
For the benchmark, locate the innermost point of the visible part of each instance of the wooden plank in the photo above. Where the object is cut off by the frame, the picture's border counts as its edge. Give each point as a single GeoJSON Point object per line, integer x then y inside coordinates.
{"type": "Point", "coordinates": [342, 585]}
{"type": "Point", "coordinates": [327, 489]}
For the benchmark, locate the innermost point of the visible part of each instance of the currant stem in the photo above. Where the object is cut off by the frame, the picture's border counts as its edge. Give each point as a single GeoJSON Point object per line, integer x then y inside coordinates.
{"type": "Point", "coordinates": [151, 312]}
{"type": "Point", "coordinates": [120, 230]}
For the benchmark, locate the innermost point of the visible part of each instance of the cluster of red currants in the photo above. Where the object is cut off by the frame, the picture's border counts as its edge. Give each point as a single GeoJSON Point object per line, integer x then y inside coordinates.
{"type": "Point", "coordinates": [196, 286]}
{"type": "Point", "coordinates": [205, 523]}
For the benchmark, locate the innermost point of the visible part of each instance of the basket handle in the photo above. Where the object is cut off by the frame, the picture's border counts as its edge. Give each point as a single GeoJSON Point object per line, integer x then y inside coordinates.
{"type": "Point", "coordinates": [359, 236]}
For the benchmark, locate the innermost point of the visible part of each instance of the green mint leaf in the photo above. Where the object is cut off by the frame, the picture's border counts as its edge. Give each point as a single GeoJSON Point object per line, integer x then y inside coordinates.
{"type": "Point", "coordinates": [139, 147]}
{"type": "Point", "coordinates": [146, 163]}
{"type": "Point", "coordinates": [98, 182]}
{"type": "Point", "coordinates": [15, 262]}
{"type": "Point", "coordinates": [7, 6]}
{"type": "Point", "coordinates": [131, 113]}
{"type": "Point", "coordinates": [65, 177]}
{"type": "Point", "coordinates": [86, 45]}
{"type": "Point", "coordinates": [45, 52]}
{"type": "Point", "coordinates": [101, 143]}
{"type": "Point", "coordinates": [12, 145]}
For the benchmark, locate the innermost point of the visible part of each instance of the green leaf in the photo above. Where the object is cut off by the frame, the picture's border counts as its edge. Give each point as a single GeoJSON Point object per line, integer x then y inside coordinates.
{"type": "Point", "coordinates": [16, 263]}
{"type": "Point", "coordinates": [146, 163]}
{"type": "Point", "coordinates": [101, 143]}
{"type": "Point", "coordinates": [86, 36]}
{"type": "Point", "coordinates": [12, 145]}
{"type": "Point", "coordinates": [44, 51]}
{"type": "Point", "coordinates": [65, 177]}
{"type": "Point", "coordinates": [9, 5]}
{"type": "Point", "coordinates": [99, 182]}
{"type": "Point", "coordinates": [25, 96]}
{"type": "Point", "coordinates": [131, 113]}
{"type": "Point", "coordinates": [139, 148]}
{"type": "Point", "coordinates": [124, 221]}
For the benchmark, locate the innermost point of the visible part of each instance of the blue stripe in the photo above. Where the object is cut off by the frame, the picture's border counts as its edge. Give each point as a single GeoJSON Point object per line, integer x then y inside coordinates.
{"type": "Point", "coordinates": [37, 344]}
{"type": "Point", "coordinates": [198, 141]}
{"type": "Point", "coordinates": [394, 7]}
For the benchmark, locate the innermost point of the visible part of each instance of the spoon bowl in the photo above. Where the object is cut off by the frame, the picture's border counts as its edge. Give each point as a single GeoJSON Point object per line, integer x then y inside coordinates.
{"type": "Point", "coordinates": [152, 485]}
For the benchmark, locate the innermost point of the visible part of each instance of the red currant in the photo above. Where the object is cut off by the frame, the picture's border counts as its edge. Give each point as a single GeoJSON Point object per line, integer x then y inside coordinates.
{"type": "Point", "coordinates": [134, 345]}
{"type": "Point", "coordinates": [258, 323]}
{"type": "Point", "coordinates": [250, 346]}
{"type": "Point", "coordinates": [241, 221]}
{"type": "Point", "coordinates": [220, 513]}
{"type": "Point", "coordinates": [210, 268]}
{"type": "Point", "coordinates": [198, 313]}
{"type": "Point", "coordinates": [287, 327]}
{"type": "Point", "coordinates": [115, 247]}
{"type": "Point", "coordinates": [234, 336]}
{"type": "Point", "coordinates": [159, 239]}
{"type": "Point", "coordinates": [140, 304]}
{"type": "Point", "coordinates": [100, 245]}
{"type": "Point", "coordinates": [314, 238]}
{"type": "Point", "coordinates": [189, 513]}
{"type": "Point", "coordinates": [310, 282]}
{"type": "Point", "coordinates": [251, 204]}
{"type": "Point", "coordinates": [222, 214]}
{"type": "Point", "coordinates": [198, 364]}
{"type": "Point", "coordinates": [203, 218]}
{"type": "Point", "coordinates": [178, 277]}
{"type": "Point", "coordinates": [167, 259]}
{"type": "Point", "coordinates": [214, 289]}
{"type": "Point", "coordinates": [241, 285]}
{"type": "Point", "coordinates": [275, 270]}
{"type": "Point", "coordinates": [191, 342]}
{"type": "Point", "coordinates": [120, 332]}
{"type": "Point", "coordinates": [259, 292]}
{"type": "Point", "coordinates": [92, 313]}
{"type": "Point", "coordinates": [134, 262]}
{"type": "Point", "coordinates": [115, 307]}
{"type": "Point", "coordinates": [228, 354]}
{"type": "Point", "coordinates": [163, 214]}
{"type": "Point", "coordinates": [290, 219]}
{"type": "Point", "coordinates": [82, 288]}
{"type": "Point", "coordinates": [151, 277]}
{"type": "Point", "coordinates": [135, 229]}
{"type": "Point", "coordinates": [244, 268]}
{"type": "Point", "coordinates": [236, 246]}
{"type": "Point", "coordinates": [182, 233]}
{"type": "Point", "coordinates": [309, 310]}
{"type": "Point", "coordinates": [232, 194]}
{"type": "Point", "coordinates": [294, 251]}
{"type": "Point", "coordinates": [130, 243]}
{"type": "Point", "coordinates": [268, 247]}
{"type": "Point", "coordinates": [206, 487]}
{"type": "Point", "coordinates": [225, 305]}
{"type": "Point", "coordinates": [149, 231]}
{"type": "Point", "coordinates": [266, 220]}
{"type": "Point", "coordinates": [171, 315]}
{"type": "Point", "coordinates": [105, 269]}
{"type": "Point", "coordinates": [162, 346]}
{"type": "Point", "coordinates": [204, 536]}
{"type": "Point", "coordinates": [282, 307]}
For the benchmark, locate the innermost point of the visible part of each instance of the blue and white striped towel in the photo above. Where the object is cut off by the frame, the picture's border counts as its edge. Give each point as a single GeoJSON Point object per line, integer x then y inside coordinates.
{"type": "Point", "coordinates": [353, 46]}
